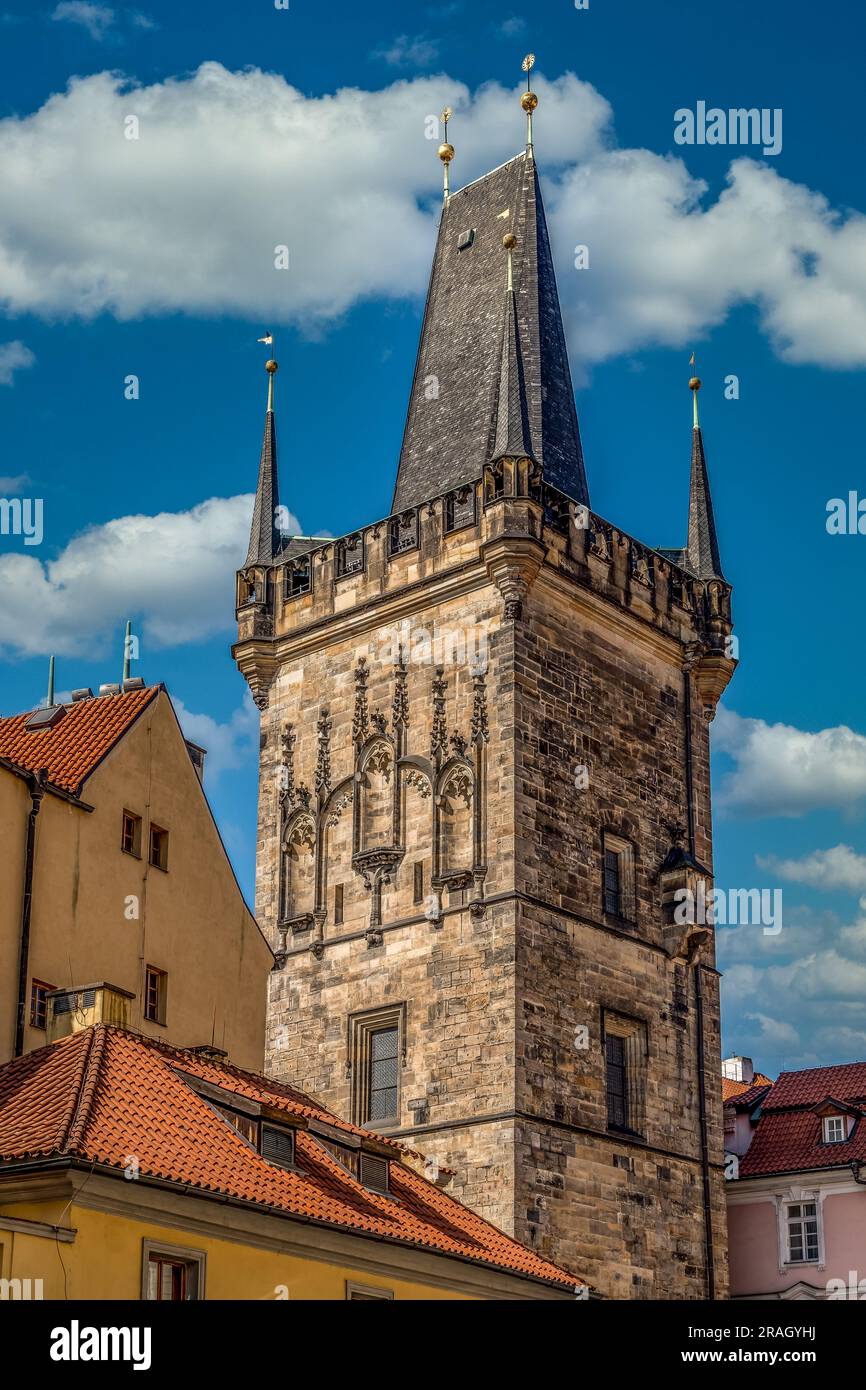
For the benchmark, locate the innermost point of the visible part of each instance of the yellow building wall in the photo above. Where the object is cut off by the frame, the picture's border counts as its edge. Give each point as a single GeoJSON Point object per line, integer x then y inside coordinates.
{"type": "Point", "coordinates": [14, 810]}
{"type": "Point", "coordinates": [104, 1262]}
{"type": "Point", "coordinates": [191, 920]}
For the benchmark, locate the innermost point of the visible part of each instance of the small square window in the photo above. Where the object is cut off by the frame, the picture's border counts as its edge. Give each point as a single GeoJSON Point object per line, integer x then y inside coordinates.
{"type": "Point", "coordinates": [130, 836]}
{"type": "Point", "coordinates": [278, 1146]}
{"type": "Point", "coordinates": [159, 848]}
{"type": "Point", "coordinates": [39, 992]}
{"type": "Point", "coordinates": [171, 1275]}
{"type": "Point", "coordinates": [155, 992]}
{"type": "Point", "coordinates": [835, 1129]}
{"type": "Point", "coordinates": [366, 1293]}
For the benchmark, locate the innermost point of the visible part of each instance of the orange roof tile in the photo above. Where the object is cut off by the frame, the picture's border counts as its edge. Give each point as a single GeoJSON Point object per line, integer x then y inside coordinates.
{"type": "Point", "coordinates": [732, 1089]}
{"type": "Point", "coordinates": [104, 1093]}
{"type": "Point", "coordinates": [71, 750]}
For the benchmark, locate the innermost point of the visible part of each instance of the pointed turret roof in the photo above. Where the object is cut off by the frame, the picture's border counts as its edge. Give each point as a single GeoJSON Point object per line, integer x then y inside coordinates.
{"type": "Point", "coordinates": [453, 420]}
{"type": "Point", "coordinates": [702, 551]}
{"type": "Point", "coordinates": [512, 437]}
{"type": "Point", "coordinates": [264, 535]}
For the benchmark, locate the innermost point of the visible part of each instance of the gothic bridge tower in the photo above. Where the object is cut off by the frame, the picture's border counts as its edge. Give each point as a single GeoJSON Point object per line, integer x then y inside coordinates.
{"type": "Point", "coordinates": [484, 775]}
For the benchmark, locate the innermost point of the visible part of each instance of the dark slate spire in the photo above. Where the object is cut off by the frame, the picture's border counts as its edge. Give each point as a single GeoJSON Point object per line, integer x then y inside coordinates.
{"type": "Point", "coordinates": [702, 551]}
{"type": "Point", "coordinates": [264, 535]}
{"type": "Point", "coordinates": [511, 433]}
{"type": "Point", "coordinates": [458, 373]}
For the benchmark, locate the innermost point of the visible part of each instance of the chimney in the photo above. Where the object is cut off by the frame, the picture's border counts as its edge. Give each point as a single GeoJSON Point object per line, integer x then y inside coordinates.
{"type": "Point", "coordinates": [72, 1010]}
{"type": "Point", "coordinates": [738, 1069]}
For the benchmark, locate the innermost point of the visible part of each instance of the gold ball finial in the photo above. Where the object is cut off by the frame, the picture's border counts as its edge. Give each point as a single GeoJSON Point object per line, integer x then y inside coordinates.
{"type": "Point", "coordinates": [271, 367]}
{"type": "Point", "coordinates": [695, 383]}
{"type": "Point", "coordinates": [509, 241]}
{"type": "Point", "coordinates": [529, 101]}
{"type": "Point", "coordinates": [446, 153]}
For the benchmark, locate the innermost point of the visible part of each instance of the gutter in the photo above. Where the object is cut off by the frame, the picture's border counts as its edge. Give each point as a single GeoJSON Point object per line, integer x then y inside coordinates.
{"type": "Point", "coordinates": [699, 1007]}
{"type": "Point", "coordinates": [37, 781]}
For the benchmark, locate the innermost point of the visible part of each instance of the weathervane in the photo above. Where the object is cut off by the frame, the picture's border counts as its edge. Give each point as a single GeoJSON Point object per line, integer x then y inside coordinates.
{"type": "Point", "coordinates": [446, 153]}
{"type": "Point", "coordinates": [270, 367]}
{"type": "Point", "coordinates": [529, 100]}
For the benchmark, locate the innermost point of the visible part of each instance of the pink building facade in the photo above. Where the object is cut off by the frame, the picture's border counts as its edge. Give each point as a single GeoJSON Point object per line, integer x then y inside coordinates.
{"type": "Point", "coordinates": [796, 1190]}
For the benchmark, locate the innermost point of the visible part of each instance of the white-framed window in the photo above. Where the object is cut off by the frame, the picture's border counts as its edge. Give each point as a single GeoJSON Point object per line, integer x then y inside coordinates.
{"type": "Point", "coordinates": [801, 1219]}
{"type": "Point", "coordinates": [835, 1129]}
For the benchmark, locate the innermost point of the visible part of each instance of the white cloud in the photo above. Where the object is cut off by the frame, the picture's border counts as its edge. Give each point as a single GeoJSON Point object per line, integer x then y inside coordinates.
{"type": "Point", "coordinates": [510, 28]}
{"type": "Point", "coordinates": [13, 357]}
{"type": "Point", "coordinates": [407, 52]}
{"type": "Point", "coordinates": [836, 868]}
{"type": "Point", "coordinates": [230, 165]}
{"type": "Point", "coordinates": [783, 771]}
{"type": "Point", "coordinates": [227, 167]}
{"type": "Point", "coordinates": [230, 745]}
{"type": "Point", "coordinates": [775, 1032]}
{"type": "Point", "coordinates": [174, 572]}
{"type": "Point", "coordinates": [10, 486]}
{"type": "Point", "coordinates": [96, 19]}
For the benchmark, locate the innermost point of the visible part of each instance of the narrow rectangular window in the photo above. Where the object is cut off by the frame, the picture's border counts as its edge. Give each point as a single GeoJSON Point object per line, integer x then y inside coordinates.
{"type": "Point", "coordinates": [39, 992]}
{"type": "Point", "coordinates": [155, 992]}
{"type": "Point", "coordinates": [376, 1044]}
{"type": "Point", "coordinates": [383, 1075]}
{"type": "Point", "coordinates": [625, 1053]}
{"type": "Point", "coordinates": [418, 896]}
{"type": "Point", "coordinates": [618, 887]}
{"type": "Point", "coordinates": [130, 835]}
{"type": "Point", "coordinates": [611, 882]}
{"type": "Point", "coordinates": [159, 847]}
{"type": "Point", "coordinates": [338, 905]}
{"type": "Point", "coordinates": [617, 1091]}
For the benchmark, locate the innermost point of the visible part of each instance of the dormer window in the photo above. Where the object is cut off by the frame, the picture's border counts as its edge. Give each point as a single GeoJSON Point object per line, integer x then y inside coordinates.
{"type": "Point", "coordinates": [835, 1129]}
{"type": "Point", "coordinates": [278, 1146]}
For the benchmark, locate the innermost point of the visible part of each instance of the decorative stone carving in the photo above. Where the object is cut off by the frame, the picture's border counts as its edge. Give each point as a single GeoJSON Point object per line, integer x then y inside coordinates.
{"type": "Point", "coordinates": [345, 799]}
{"type": "Point", "coordinates": [323, 756]}
{"type": "Point", "coordinates": [416, 779]}
{"type": "Point", "coordinates": [439, 731]}
{"type": "Point", "coordinates": [400, 706]}
{"type": "Point", "coordinates": [361, 720]}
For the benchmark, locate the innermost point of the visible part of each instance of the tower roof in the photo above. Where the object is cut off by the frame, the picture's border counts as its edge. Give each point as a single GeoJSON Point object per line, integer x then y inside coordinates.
{"type": "Point", "coordinates": [452, 424]}
{"type": "Point", "coordinates": [511, 417]}
{"type": "Point", "coordinates": [702, 551]}
{"type": "Point", "coordinates": [264, 535]}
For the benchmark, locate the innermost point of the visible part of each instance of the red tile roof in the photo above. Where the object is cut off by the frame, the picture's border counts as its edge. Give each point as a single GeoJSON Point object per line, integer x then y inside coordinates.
{"type": "Point", "coordinates": [74, 747]}
{"type": "Point", "coordinates": [846, 1082]}
{"type": "Point", "coordinates": [732, 1089]}
{"type": "Point", "coordinates": [788, 1136]}
{"type": "Point", "coordinates": [104, 1093]}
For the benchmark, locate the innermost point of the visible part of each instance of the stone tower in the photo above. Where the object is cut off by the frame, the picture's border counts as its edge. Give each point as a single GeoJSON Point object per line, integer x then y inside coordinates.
{"type": "Point", "coordinates": [484, 777]}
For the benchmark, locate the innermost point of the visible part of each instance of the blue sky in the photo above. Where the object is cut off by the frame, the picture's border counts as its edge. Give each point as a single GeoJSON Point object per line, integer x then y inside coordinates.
{"type": "Point", "coordinates": [154, 258]}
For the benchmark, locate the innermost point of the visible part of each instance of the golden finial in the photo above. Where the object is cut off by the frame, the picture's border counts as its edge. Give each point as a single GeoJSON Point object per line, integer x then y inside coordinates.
{"type": "Point", "coordinates": [509, 241]}
{"type": "Point", "coordinates": [446, 152]}
{"type": "Point", "coordinates": [271, 369]}
{"type": "Point", "coordinates": [694, 387]}
{"type": "Point", "coordinates": [529, 100]}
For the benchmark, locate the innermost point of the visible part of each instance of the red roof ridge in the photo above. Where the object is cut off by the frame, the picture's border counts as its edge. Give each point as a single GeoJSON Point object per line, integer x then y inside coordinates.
{"type": "Point", "coordinates": [87, 1089]}
{"type": "Point", "coordinates": [85, 1046]}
